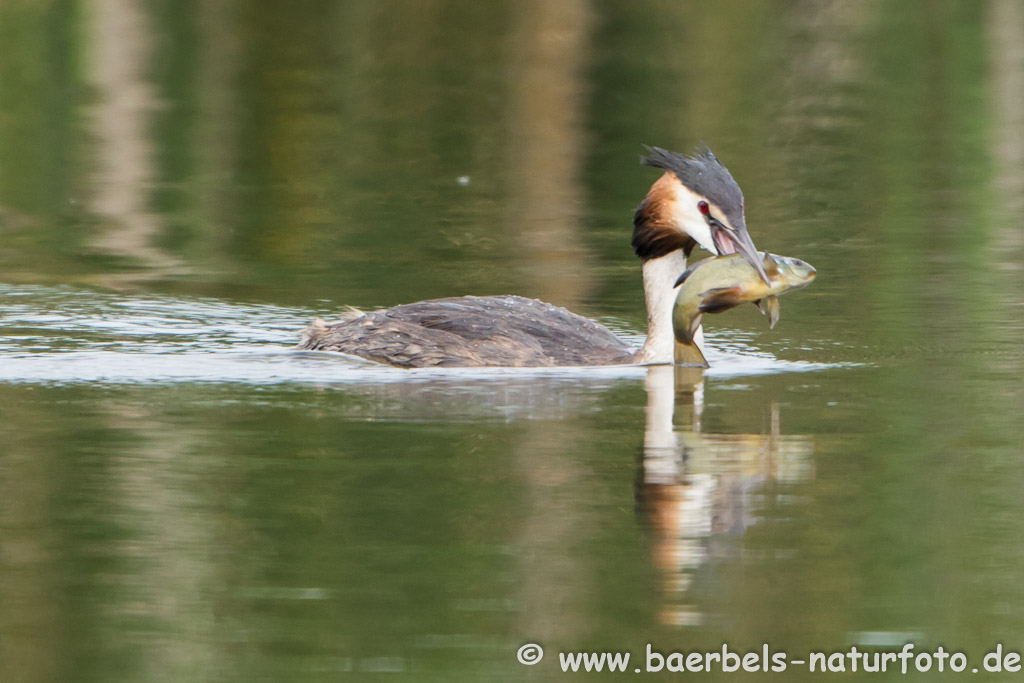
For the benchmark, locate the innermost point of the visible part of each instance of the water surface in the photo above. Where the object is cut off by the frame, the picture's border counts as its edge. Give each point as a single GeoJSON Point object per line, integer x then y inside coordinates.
{"type": "Point", "coordinates": [182, 189]}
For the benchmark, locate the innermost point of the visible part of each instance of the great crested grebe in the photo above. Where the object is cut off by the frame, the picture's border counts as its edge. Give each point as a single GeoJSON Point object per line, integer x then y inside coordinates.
{"type": "Point", "coordinates": [696, 201]}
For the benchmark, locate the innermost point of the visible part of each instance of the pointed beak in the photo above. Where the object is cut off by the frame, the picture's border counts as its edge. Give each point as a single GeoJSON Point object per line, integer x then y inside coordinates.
{"type": "Point", "coordinates": [729, 241]}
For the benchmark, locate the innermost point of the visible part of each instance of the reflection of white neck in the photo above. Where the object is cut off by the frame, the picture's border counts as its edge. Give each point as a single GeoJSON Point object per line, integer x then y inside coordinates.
{"type": "Point", "coordinates": [659, 430]}
{"type": "Point", "coordinates": [667, 388]}
{"type": "Point", "coordinates": [660, 274]}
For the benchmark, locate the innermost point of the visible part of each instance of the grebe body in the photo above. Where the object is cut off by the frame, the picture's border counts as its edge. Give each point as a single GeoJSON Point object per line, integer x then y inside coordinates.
{"type": "Point", "coordinates": [472, 331]}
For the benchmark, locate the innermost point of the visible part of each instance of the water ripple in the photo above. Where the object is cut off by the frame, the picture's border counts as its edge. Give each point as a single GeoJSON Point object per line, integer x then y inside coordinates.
{"type": "Point", "coordinates": [65, 335]}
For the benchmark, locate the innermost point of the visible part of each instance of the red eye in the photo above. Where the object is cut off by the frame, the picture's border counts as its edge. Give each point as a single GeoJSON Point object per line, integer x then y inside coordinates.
{"type": "Point", "coordinates": [702, 206]}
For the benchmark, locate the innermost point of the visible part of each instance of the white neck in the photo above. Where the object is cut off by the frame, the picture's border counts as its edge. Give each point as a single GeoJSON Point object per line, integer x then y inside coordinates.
{"type": "Point", "coordinates": [660, 274]}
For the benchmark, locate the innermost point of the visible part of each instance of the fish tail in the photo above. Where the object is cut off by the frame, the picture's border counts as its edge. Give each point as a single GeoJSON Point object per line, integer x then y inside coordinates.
{"type": "Point", "coordinates": [689, 354]}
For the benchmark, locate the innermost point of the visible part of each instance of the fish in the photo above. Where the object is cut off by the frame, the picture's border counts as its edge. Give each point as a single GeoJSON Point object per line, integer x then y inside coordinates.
{"type": "Point", "coordinates": [719, 283]}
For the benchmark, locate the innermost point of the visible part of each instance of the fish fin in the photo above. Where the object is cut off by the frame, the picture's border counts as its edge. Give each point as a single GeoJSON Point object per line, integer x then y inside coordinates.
{"type": "Point", "coordinates": [720, 299]}
{"type": "Point", "coordinates": [770, 306]}
{"type": "Point", "coordinates": [771, 268]}
{"type": "Point", "coordinates": [689, 354]}
{"type": "Point", "coordinates": [689, 271]}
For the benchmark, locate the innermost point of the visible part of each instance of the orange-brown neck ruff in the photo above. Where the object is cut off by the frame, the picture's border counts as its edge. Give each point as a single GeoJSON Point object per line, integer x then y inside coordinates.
{"type": "Point", "coordinates": [655, 232]}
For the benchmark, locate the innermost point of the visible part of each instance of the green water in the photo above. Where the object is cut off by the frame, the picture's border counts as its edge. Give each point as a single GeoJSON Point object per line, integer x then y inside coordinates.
{"type": "Point", "coordinates": [183, 186]}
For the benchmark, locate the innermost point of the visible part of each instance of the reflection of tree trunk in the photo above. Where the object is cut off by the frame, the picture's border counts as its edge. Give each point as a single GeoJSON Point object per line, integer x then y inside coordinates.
{"type": "Point", "coordinates": [26, 592]}
{"type": "Point", "coordinates": [1006, 46]}
{"type": "Point", "coordinates": [144, 581]}
{"type": "Point", "coordinates": [120, 39]}
{"type": "Point", "coordinates": [549, 56]}
{"type": "Point", "coordinates": [215, 135]}
{"type": "Point", "coordinates": [164, 550]}
{"type": "Point", "coordinates": [821, 65]}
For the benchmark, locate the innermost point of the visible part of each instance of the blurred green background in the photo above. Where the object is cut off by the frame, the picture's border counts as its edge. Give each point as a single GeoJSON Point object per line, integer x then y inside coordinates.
{"type": "Point", "coordinates": [312, 155]}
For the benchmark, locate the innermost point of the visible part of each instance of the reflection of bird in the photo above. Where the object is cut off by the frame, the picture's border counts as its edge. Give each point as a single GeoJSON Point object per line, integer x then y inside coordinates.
{"type": "Point", "coordinates": [695, 486]}
{"type": "Point", "coordinates": [696, 201]}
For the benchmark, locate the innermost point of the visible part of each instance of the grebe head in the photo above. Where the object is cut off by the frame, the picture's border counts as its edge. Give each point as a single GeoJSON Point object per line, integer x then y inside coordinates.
{"type": "Point", "coordinates": [696, 201]}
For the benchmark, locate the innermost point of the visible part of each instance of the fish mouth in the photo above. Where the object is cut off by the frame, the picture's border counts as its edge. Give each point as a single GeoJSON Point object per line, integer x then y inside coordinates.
{"type": "Point", "coordinates": [729, 241]}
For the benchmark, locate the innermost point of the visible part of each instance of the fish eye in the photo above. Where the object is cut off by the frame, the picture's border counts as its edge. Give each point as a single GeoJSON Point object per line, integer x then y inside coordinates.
{"type": "Point", "coordinates": [702, 206]}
